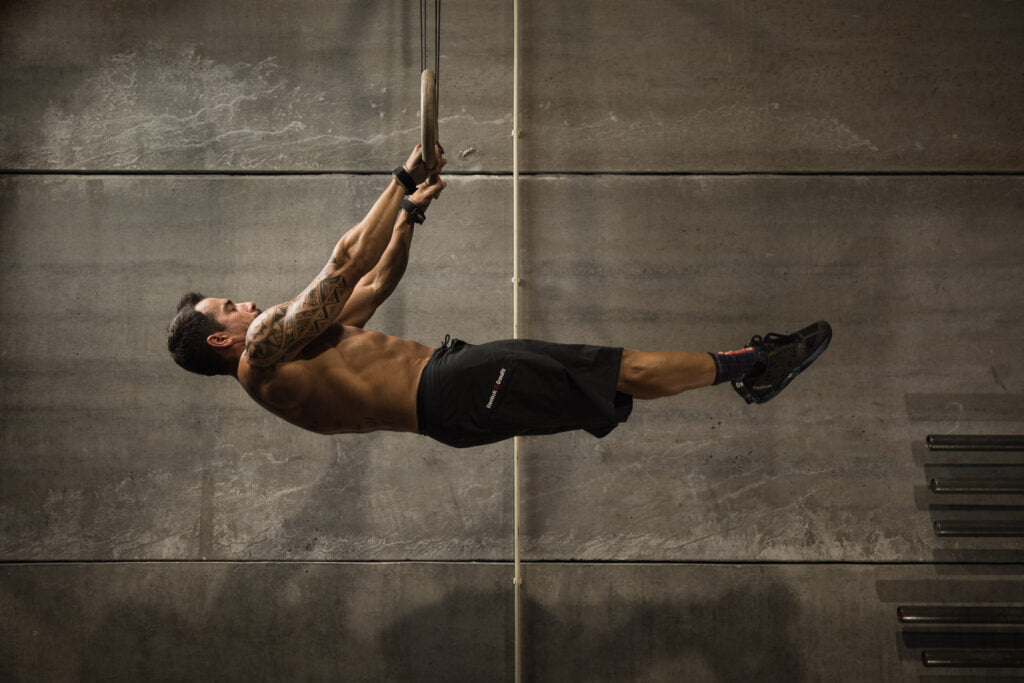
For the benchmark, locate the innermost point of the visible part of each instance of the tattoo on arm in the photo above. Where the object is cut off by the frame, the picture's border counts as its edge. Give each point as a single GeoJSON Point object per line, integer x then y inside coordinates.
{"type": "Point", "coordinates": [282, 331]}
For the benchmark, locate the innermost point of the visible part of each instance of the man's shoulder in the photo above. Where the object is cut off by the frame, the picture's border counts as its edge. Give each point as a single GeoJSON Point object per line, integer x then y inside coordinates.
{"type": "Point", "coordinates": [265, 335]}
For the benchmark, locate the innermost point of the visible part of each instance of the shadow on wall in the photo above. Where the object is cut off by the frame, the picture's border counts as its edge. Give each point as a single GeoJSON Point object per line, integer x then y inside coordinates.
{"type": "Point", "coordinates": [624, 638]}
{"type": "Point", "coordinates": [251, 633]}
{"type": "Point", "coordinates": [453, 640]}
{"type": "Point", "coordinates": [255, 631]}
{"type": "Point", "coordinates": [638, 637]}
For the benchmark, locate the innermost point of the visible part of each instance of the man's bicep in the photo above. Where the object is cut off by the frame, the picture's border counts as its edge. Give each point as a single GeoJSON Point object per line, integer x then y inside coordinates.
{"type": "Point", "coordinates": [281, 332]}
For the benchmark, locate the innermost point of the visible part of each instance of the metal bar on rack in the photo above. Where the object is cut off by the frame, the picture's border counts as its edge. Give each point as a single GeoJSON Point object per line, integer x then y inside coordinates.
{"type": "Point", "coordinates": [1004, 528]}
{"type": "Point", "coordinates": [975, 442]}
{"type": "Point", "coordinates": [973, 658]}
{"type": "Point", "coordinates": [977, 486]}
{"type": "Point", "coordinates": [960, 614]}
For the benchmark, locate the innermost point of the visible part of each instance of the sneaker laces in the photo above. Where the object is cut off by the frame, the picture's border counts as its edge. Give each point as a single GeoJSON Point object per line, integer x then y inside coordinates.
{"type": "Point", "coordinates": [772, 338]}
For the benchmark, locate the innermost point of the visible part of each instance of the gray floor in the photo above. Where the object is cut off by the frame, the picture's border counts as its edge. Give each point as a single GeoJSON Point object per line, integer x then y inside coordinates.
{"type": "Point", "coordinates": [696, 173]}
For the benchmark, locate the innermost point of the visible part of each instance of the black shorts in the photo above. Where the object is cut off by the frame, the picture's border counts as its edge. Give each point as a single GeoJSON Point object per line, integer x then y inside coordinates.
{"type": "Point", "coordinates": [470, 395]}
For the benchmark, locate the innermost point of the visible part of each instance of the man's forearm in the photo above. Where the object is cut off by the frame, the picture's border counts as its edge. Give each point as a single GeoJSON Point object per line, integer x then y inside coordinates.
{"type": "Point", "coordinates": [364, 244]}
{"type": "Point", "coordinates": [391, 267]}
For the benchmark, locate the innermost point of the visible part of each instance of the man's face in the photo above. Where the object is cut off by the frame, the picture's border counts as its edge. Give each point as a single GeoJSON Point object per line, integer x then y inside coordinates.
{"type": "Point", "coordinates": [236, 318]}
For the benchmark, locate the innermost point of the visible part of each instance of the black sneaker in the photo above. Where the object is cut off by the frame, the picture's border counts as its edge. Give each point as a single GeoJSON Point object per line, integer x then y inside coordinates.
{"type": "Point", "coordinates": [788, 356]}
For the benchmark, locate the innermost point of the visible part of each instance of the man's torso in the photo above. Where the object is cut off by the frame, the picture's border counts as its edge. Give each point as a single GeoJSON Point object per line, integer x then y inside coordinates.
{"type": "Point", "coordinates": [348, 380]}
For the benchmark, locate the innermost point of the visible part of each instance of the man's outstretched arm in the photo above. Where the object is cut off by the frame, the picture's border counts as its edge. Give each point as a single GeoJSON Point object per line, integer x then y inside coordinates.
{"type": "Point", "coordinates": [377, 285]}
{"type": "Point", "coordinates": [281, 332]}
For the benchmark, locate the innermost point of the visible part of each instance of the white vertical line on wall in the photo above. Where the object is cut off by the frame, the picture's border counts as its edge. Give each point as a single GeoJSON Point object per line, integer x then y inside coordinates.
{"type": "Point", "coordinates": [518, 578]}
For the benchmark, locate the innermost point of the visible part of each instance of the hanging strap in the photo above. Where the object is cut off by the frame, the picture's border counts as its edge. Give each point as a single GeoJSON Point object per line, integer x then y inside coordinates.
{"type": "Point", "coordinates": [437, 42]}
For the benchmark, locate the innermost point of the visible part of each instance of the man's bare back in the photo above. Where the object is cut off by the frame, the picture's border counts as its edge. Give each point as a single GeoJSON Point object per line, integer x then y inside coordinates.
{"type": "Point", "coordinates": [348, 380]}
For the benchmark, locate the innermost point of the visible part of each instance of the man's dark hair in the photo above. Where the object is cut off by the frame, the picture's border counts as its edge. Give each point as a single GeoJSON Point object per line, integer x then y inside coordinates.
{"type": "Point", "coordinates": [186, 339]}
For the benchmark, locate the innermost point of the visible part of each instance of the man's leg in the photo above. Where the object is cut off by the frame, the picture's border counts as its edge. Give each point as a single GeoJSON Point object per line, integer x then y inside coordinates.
{"type": "Point", "coordinates": [758, 372]}
{"type": "Point", "coordinates": [656, 374]}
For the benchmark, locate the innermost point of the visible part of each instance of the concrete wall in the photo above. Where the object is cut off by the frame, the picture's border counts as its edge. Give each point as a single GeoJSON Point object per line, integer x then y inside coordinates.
{"type": "Point", "coordinates": [697, 172]}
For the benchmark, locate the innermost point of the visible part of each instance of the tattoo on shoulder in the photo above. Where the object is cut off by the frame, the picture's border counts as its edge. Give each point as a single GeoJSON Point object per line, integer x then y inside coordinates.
{"type": "Point", "coordinates": [266, 337]}
{"type": "Point", "coordinates": [288, 327]}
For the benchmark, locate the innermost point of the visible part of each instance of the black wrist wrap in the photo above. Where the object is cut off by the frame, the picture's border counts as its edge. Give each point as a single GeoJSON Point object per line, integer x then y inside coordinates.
{"type": "Point", "coordinates": [415, 211]}
{"type": "Point", "coordinates": [404, 178]}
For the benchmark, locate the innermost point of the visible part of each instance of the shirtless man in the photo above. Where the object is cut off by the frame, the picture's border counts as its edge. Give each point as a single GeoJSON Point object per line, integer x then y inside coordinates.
{"type": "Point", "coordinates": [311, 361]}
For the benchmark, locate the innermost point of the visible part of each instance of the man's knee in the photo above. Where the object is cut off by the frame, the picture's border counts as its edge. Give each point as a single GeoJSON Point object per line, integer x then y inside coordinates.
{"type": "Point", "coordinates": [633, 372]}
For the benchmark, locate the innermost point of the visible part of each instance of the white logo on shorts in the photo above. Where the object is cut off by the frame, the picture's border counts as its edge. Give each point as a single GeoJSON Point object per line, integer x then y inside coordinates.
{"type": "Point", "coordinates": [494, 389]}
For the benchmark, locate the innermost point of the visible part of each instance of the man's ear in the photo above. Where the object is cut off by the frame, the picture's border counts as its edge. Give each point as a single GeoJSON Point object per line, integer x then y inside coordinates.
{"type": "Point", "coordinates": [219, 340]}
